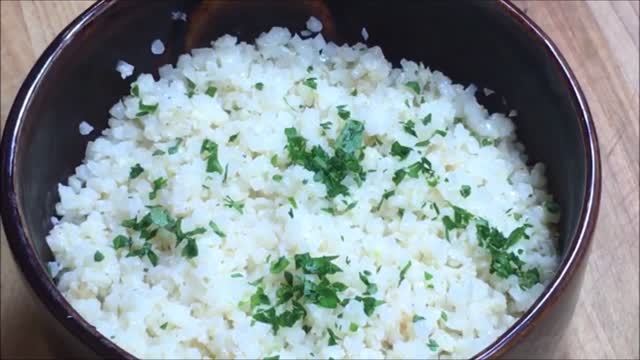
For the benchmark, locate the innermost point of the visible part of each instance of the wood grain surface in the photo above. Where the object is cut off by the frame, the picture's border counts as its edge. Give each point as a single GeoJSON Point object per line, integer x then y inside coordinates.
{"type": "Point", "coordinates": [599, 40]}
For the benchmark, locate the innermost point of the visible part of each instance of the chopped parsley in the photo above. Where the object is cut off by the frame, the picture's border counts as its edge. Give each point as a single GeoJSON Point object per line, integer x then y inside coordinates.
{"type": "Point", "coordinates": [432, 345]}
{"type": "Point", "coordinates": [444, 316]}
{"type": "Point", "coordinates": [158, 152]}
{"type": "Point", "coordinates": [277, 177]}
{"type": "Point", "coordinates": [226, 172]}
{"type": "Point", "coordinates": [233, 137]}
{"type": "Point", "coordinates": [428, 276]}
{"type": "Point", "coordinates": [293, 202]}
{"type": "Point", "coordinates": [326, 125]}
{"type": "Point", "coordinates": [164, 326]}
{"type": "Point", "coordinates": [98, 256]}
{"type": "Point", "coordinates": [174, 149]}
{"type": "Point", "coordinates": [413, 85]}
{"type": "Point", "coordinates": [210, 148]}
{"type": "Point", "coordinates": [426, 120]}
{"type": "Point", "coordinates": [486, 142]}
{"type": "Point", "coordinates": [259, 86]}
{"type": "Point", "coordinates": [353, 327]}
{"type": "Point", "coordinates": [465, 191]}
{"type": "Point", "coordinates": [135, 171]}
{"type": "Point", "coordinates": [369, 304]}
{"type": "Point", "coordinates": [279, 265]}
{"type": "Point", "coordinates": [386, 195]}
{"type": "Point", "coordinates": [216, 229]}
{"type": "Point", "coordinates": [121, 241]}
{"type": "Point", "coordinates": [424, 143]}
{"type": "Point", "coordinates": [417, 318]}
{"type": "Point", "coordinates": [552, 207]}
{"type": "Point", "coordinates": [236, 275]}
{"type": "Point", "coordinates": [354, 92]}
{"type": "Point", "coordinates": [410, 128]}
{"type": "Point", "coordinates": [332, 338]}
{"type": "Point", "coordinates": [146, 109]}
{"type": "Point", "coordinates": [274, 160]}
{"type": "Point", "coordinates": [398, 176]}
{"type": "Point", "coordinates": [403, 272]}
{"type": "Point", "coordinates": [211, 91]}
{"type": "Point", "coordinates": [145, 250]}
{"type": "Point", "coordinates": [191, 87]}
{"type": "Point", "coordinates": [311, 83]}
{"type": "Point", "coordinates": [135, 90]}
{"type": "Point", "coordinates": [232, 204]}
{"type": "Point", "coordinates": [441, 133]}
{"type": "Point", "coordinates": [342, 113]}
{"type": "Point", "coordinates": [273, 357]}
{"type": "Point", "coordinates": [399, 150]}
{"type": "Point", "coordinates": [330, 170]}
{"type": "Point", "coordinates": [371, 287]}
{"type": "Point", "coordinates": [158, 184]}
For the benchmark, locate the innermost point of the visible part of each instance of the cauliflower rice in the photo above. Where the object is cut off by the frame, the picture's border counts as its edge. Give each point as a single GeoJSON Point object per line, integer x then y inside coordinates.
{"type": "Point", "coordinates": [204, 154]}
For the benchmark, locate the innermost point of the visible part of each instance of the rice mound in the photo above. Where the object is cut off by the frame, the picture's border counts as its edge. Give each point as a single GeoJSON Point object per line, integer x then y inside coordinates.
{"type": "Point", "coordinates": [436, 292]}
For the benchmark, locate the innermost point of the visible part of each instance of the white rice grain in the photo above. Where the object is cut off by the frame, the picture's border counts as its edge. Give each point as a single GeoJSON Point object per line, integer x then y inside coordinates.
{"type": "Point", "coordinates": [85, 128]}
{"type": "Point", "coordinates": [314, 25]}
{"type": "Point", "coordinates": [125, 69]}
{"type": "Point", "coordinates": [157, 47]}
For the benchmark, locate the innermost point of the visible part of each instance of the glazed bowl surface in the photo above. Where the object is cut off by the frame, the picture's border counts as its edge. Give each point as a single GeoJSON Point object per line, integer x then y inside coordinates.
{"type": "Point", "coordinates": [489, 44]}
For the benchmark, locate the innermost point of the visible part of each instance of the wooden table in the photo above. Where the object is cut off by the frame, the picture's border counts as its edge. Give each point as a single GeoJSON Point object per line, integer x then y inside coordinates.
{"type": "Point", "coordinates": [600, 41]}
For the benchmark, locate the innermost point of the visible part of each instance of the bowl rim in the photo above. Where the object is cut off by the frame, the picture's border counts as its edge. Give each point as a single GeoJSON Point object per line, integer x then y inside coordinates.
{"type": "Point", "coordinates": [37, 277]}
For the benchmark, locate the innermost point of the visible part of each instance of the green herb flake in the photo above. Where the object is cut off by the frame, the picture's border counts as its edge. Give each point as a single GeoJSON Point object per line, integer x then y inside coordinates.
{"type": "Point", "coordinates": [444, 316]}
{"type": "Point", "coordinates": [272, 357]}
{"type": "Point", "coordinates": [441, 133]}
{"type": "Point", "coordinates": [121, 241]}
{"type": "Point", "coordinates": [279, 265]}
{"type": "Point", "coordinates": [399, 150]}
{"type": "Point", "coordinates": [428, 276]}
{"type": "Point", "coordinates": [309, 68]}
{"type": "Point", "coordinates": [226, 172]}
{"type": "Point", "coordinates": [274, 160]}
{"type": "Point", "coordinates": [158, 184]}
{"type": "Point", "coordinates": [135, 171]}
{"type": "Point", "coordinates": [236, 275]}
{"type": "Point", "coordinates": [342, 113]}
{"type": "Point", "coordinates": [164, 326]}
{"type": "Point", "coordinates": [259, 86]}
{"type": "Point", "coordinates": [432, 345]}
{"type": "Point", "coordinates": [211, 91]}
{"type": "Point", "coordinates": [277, 177]}
{"type": "Point", "coordinates": [216, 229]}
{"type": "Point", "coordinates": [332, 338]}
{"type": "Point", "coordinates": [293, 203]}
{"type": "Point", "coordinates": [310, 83]}
{"type": "Point", "coordinates": [174, 149]}
{"type": "Point", "coordinates": [232, 204]}
{"type": "Point", "coordinates": [369, 304]}
{"type": "Point", "coordinates": [371, 287]}
{"type": "Point", "coordinates": [465, 191]}
{"type": "Point", "coordinates": [486, 142]}
{"type": "Point", "coordinates": [417, 318]}
{"type": "Point", "coordinates": [210, 148]}
{"type": "Point", "coordinates": [146, 109]}
{"type": "Point", "coordinates": [353, 327]}
{"type": "Point", "coordinates": [403, 272]}
{"type": "Point", "coordinates": [385, 196]}
{"type": "Point", "coordinates": [410, 128]}
{"type": "Point", "coordinates": [552, 207]}
{"type": "Point", "coordinates": [191, 87]}
{"type": "Point", "coordinates": [98, 256]}
{"type": "Point", "coordinates": [426, 120]}
{"type": "Point", "coordinates": [190, 250]}
{"type": "Point", "coordinates": [135, 90]}
{"type": "Point", "coordinates": [354, 92]}
{"type": "Point", "coordinates": [413, 85]}
{"type": "Point", "coordinates": [424, 143]}
{"type": "Point", "coordinates": [233, 137]}
{"type": "Point", "coordinates": [158, 152]}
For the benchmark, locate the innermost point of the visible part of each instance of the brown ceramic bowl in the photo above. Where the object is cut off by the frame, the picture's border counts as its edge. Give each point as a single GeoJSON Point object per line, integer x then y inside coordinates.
{"type": "Point", "coordinates": [490, 44]}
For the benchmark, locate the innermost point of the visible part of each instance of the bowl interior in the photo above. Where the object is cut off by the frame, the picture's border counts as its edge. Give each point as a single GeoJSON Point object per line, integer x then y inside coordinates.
{"type": "Point", "coordinates": [471, 42]}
